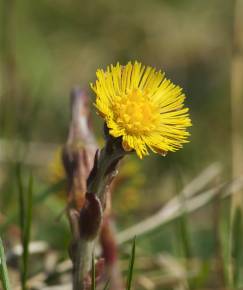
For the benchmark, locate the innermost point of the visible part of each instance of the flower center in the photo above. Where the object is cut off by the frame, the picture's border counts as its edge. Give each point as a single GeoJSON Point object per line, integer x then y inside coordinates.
{"type": "Point", "coordinates": [135, 112]}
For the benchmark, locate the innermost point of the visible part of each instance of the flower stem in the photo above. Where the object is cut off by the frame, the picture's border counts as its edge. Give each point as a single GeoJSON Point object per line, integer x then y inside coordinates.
{"type": "Point", "coordinates": [103, 172]}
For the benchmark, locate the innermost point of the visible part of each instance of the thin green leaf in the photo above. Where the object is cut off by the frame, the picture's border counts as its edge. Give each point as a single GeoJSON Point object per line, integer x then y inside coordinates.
{"type": "Point", "coordinates": [201, 278]}
{"type": "Point", "coordinates": [27, 227]}
{"type": "Point", "coordinates": [107, 285]}
{"type": "Point", "coordinates": [21, 219]}
{"type": "Point", "coordinates": [3, 269]}
{"type": "Point", "coordinates": [25, 217]}
{"type": "Point", "coordinates": [40, 197]}
{"type": "Point", "coordinates": [183, 236]}
{"type": "Point", "coordinates": [236, 246]}
{"type": "Point", "coordinates": [131, 265]}
{"type": "Point", "coordinates": [21, 201]}
{"type": "Point", "coordinates": [225, 245]}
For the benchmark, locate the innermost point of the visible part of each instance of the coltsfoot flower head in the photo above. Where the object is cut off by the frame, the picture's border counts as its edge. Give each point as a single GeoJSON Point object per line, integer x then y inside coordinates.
{"type": "Point", "coordinates": [142, 107]}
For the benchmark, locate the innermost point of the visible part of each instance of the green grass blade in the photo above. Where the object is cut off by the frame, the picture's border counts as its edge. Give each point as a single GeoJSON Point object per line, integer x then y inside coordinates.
{"type": "Point", "coordinates": [131, 265]}
{"type": "Point", "coordinates": [40, 197]}
{"type": "Point", "coordinates": [21, 201]}
{"type": "Point", "coordinates": [93, 274]}
{"type": "Point", "coordinates": [3, 269]}
{"type": "Point", "coordinates": [236, 246]}
{"type": "Point", "coordinates": [183, 236]}
{"type": "Point", "coordinates": [21, 219]}
{"type": "Point", "coordinates": [201, 278]}
{"type": "Point", "coordinates": [25, 219]}
{"type": "Point", "coordinates": [107, 285]}
{"type": "Point", "coordinates": [225, 245]}
{"type": "Point", "coordinates": [27, 227]}
{"type": "Point", "coordinates": [43, 194]}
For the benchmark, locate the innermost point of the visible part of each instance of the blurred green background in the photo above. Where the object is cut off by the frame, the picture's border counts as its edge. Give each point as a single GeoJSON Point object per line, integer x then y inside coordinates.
{"type": "Point", "coordinates": [48, 47]}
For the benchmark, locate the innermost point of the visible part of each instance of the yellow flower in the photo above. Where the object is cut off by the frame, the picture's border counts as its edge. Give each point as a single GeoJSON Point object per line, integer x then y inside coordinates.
{"type": "Point", "coordinates": [144, 108]}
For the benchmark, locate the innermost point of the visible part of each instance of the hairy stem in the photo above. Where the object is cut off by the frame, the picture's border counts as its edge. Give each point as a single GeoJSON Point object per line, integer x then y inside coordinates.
{"type": "Point", "coordinates": [103, 172]}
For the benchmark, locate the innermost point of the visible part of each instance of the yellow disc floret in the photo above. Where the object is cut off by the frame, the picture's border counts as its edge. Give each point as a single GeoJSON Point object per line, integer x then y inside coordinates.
{"type": "Point", "coordinates": [143, 107]}
{"type": "Point", "coordinates": [135, 113]}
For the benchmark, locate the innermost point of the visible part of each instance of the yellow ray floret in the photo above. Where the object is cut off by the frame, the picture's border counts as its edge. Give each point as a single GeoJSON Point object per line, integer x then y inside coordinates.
{"type": "Point", "coordinates": [144, 108]}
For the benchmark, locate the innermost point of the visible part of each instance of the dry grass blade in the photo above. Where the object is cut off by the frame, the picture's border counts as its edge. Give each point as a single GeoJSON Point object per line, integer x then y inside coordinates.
{"type": "Point", "coordinates": [58, 287]}
{"type": "Point", "coordinates": [168, 213]}
{"type": "Point", "coordinates": [173, 207]}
